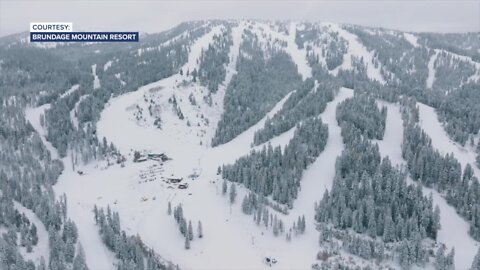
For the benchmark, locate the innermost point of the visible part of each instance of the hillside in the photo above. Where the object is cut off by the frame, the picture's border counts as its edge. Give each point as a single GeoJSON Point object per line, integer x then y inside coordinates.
{"type": "Point", "coordinates": [242, 145]}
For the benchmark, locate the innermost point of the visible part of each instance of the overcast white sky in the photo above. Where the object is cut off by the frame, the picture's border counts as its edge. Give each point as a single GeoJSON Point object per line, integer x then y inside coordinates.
{"type": "Point", "coordinates": [154, 16]}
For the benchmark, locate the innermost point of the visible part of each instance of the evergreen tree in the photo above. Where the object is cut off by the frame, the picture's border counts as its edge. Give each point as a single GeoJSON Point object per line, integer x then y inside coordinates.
{"type": "Point", "coordinates": [190, 230]}
{"type": "Point", "coordinates": [233, 193]}
{"type": "Point", "coordinates": [476, 261]}
{"type": "Point", "coordinates": [224, 187]}
{"type": "Point", "coordinates": [200, 230]}
{"type": "Point", "coordinates": [187, 242]}
{"type": "Point", "coordinates": [79, 262]}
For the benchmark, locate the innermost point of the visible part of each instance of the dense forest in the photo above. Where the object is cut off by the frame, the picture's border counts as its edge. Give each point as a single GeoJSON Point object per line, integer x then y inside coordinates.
{"type": "Point", "coordinates": [276, 172]}
{"type": "Point", "coordinates": [308, 101]}
{"type": "Point", "coordinates": [260, 82]}
{"type": "Point", "coordinates": [371, 197]}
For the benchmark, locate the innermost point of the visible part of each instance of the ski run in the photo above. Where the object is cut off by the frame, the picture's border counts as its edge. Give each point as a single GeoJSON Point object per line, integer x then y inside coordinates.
{"type": "Point", "coordinates": [232, 240]}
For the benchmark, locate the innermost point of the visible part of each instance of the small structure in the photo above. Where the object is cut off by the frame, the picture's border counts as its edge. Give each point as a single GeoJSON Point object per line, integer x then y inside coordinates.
{"type": "Point", "coordinates": [183, 186]}
{"type": "Point", "coordinates": [269, 261]}
{"type": "Point", "coordinates": [158, 157]}
{"type": "Point", "coordinates": [141, 159]}
{"type": "Point", "coordinates": [175, 180]}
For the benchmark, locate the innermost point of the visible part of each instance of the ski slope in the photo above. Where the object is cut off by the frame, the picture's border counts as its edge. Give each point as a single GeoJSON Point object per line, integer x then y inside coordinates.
{"type": "Point", "coordinates": [430, 123]}
{"type": "Point", "coordinates": [73, 112]}
{"type": "Point", "coordinates": [467, 60]}
{"type": "Point", "coordinates": [357, 49]}
{"type": "Point", "coordinates": [96, 253]}
{"type": "Point", "coordinates": [454, 229]}
{"type": "Point", "coordinates": [318, 177]}
{"type": "Point", "coordinates": [33, 116]}
{"type": "Point", "coordinates": [119, 188]}
{"type": "Point", "coordinates": [299, 56]}
{"type": "Point", "coordinates": [230, 69]}
{"type": "Point", "coordinates": [96, 80]}
{"type": "Point", "coordinates": [431, 70]}
{"type": "Point", "coordinates": [70, 91]}
{"type": "Point", "coordinates": [412, 39]}
{"type": "Point", "coordinates": [196, 48]}
{"type": "Point", "coordinates": [392, 140]}
{"type": "Point", "coordinates": [42, 248]}
{"type": "Point", "coordinates": [142, 206]}
{"type": "Point", "coordinates": [87, 230]}
{"type": "Point", "coordinates": [231, 239]}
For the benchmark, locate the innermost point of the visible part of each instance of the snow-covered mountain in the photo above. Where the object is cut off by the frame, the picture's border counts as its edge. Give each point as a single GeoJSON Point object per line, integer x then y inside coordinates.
{"type": "Point", "coordinates": [242, 145]}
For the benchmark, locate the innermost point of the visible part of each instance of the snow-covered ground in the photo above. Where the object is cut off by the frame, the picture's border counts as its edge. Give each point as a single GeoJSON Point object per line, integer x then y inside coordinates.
{"type": "Point", "coordinates": [299, 56]}
{"type": "Point", "coordinates": [357, 49]}
{"type": "Point", "coordinates": [33, 116]}
{"type": "Point", "coordinates": [80, 211]}
{"type": "Point", "coordinates": [201, 43]}
{"type": "Point", "coordinates": [107, 65]}
{"type": "Point", "coordinates": [96, 80]}
{"type": "Point", "coordinates": [411, 38]}
{"type": "Point", "coordinates": [431, 70]}
{"type": "Point", "coordinates": [454, 229]}
{"type": "Point", "coordinates": [71, 90]}
{"type": "Point", "coordinates": [392, 140]}
{"type": "Point", "coordinates": [218, 97]}
{"type": "Point", "coordinates": [231, 239]}
{"type": "Point", "coordinates": [42, 247]}
{"type": "Point", "coordinates": [440, 140]}
{"type": "Point", "coordinates": [142, 205]}
{"type": "Point", "coordinates": [319, 176]}
{"type": "Point", "coordinates": [73, 112]}
{"type": "Point", "coordinates": [100, 256]}
{"type": "Point", "coordinates": [468, 60]}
